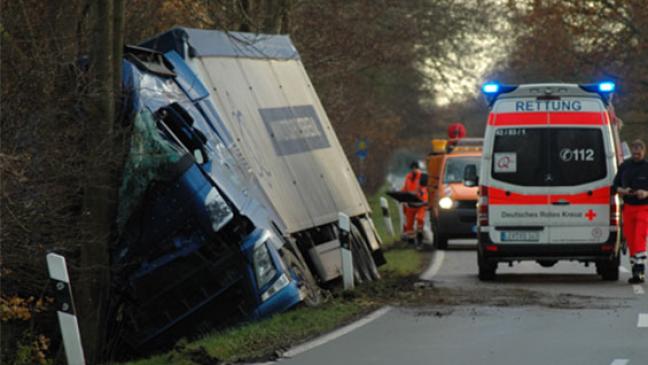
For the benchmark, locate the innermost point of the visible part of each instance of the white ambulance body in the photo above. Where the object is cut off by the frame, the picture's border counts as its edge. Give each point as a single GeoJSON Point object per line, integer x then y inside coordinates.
{"type": "Point", "coordinates": [550, 155]}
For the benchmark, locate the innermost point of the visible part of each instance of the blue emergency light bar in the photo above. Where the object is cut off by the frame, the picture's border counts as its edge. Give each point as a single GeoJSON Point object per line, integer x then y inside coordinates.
{"type": "Point", "coordinates": [493, 89]}
{"type": "Point", "coordinates": [490, 88]}
{"type": "Point", "coordinates": [606, 87]}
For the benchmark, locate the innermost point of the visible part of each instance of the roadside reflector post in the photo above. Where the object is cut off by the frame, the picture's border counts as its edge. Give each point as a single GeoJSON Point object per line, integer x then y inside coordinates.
{"type": "Point", "coordinates": [66, 312]}
{"type": "Point", "coordinates": [384, 205]}
{"type": "Point", "coordinates": [344, 223]}
{"type": "Point", "coordinates": [401, 217]}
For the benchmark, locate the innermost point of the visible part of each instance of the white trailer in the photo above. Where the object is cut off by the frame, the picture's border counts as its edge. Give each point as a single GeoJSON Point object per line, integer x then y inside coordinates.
{"type": "Point", "coordinates": [273, 121]}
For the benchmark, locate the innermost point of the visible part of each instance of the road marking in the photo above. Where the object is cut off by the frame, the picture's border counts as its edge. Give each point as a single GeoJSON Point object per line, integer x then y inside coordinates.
{"type": "Point", "coordinates": [642, 322]}
{"type": "Point", "coordinates": [638, 289]}
{"type": "Point", "coordinates": [337, 333]}
{"type": "Point", "coordinates": [437, 261]}
{"type": "Point", "coordinates": [624, 270]}
{"type": "Point", "coordinates": [620, 362]}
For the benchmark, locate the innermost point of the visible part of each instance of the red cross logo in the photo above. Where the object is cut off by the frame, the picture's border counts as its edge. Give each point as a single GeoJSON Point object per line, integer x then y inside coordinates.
{"type": "Point", "coordinates": [590, 215]}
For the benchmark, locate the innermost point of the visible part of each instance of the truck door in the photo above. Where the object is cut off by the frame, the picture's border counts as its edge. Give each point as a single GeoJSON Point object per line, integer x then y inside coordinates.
{"type": "Point", "coordinates": [518, 195]}
{"type": "Point", "coordinates": [579, 183]}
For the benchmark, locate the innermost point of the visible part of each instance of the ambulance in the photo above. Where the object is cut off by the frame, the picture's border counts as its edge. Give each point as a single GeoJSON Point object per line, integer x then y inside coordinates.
{"type": "Point", "coordinates": [549, 157]}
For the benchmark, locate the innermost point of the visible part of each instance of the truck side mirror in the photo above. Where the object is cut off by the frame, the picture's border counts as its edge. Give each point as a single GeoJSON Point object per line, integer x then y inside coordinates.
{"type": "Point", "coordinates": [470, 178]}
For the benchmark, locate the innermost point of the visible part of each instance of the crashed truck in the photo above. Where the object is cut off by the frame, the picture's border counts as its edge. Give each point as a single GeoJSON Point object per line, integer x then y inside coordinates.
{"type": "Point", "coordinates": [232, 188]}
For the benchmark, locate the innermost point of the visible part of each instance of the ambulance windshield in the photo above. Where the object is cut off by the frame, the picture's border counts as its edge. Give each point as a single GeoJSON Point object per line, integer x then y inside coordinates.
{"type": "Point", "coordinates": [548, 156]}
{"type": "Point", "coordinates": [455, 166]}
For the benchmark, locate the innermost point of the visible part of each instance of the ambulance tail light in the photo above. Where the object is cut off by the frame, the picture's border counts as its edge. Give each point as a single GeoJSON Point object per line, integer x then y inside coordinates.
{"type": "Point", "coordinates": [614, 211]}
{"type": "Point", "coordinates": [482, 206]}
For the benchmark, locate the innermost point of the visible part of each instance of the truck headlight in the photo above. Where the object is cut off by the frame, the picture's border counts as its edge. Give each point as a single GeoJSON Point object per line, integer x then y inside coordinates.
{"type": "Point", "coordinates": [263, 266]}
{"type": "Point", "coordinates": [279, 284]}
{"type": "Point", "coordinates": [446, 202]}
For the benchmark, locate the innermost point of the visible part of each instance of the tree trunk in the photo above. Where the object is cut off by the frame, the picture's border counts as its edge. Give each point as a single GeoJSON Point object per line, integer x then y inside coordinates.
{"type": "Point", "coordinates": [276, 16]}
{"type": "Point", "coordinates": [94, 280]}
{"type": "Point", "coordinates": [118, 44]}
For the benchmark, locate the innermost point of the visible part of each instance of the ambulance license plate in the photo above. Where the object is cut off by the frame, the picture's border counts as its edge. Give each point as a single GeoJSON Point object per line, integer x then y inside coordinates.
{"type": "Point", "coordinates": [521, 236]}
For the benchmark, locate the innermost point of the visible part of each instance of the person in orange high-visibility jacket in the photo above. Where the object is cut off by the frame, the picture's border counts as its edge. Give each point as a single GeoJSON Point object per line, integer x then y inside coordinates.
{"type": "Point", "coordinates": [415, 213]}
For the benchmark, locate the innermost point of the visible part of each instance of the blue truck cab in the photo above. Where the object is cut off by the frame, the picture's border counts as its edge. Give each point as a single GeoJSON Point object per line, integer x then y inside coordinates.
{"type": "Point", "coordinates": [188, 259]}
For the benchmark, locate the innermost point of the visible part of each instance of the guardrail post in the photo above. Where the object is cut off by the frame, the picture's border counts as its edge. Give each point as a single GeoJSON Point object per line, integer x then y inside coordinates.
{"type": "Point", "coordinates": [401, 217]}
{"type": "Point", "coordinates": [344, 223]}
{"type": "Point", "coordinates": [66, 312]}
{"type": "Point", "coordinates": [384, 205]}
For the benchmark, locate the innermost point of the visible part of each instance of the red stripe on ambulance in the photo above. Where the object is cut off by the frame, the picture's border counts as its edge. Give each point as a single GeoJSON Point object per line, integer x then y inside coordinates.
{"type": "Point", "coordinates": [582, 118]}
{"type": "Point", "coordinates": [502, 197]}
{"type": "Point", "coordinates": [544, 118]}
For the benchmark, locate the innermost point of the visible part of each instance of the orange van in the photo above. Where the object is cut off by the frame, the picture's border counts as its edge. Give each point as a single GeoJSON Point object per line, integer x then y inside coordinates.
{"type": "Point", "coordinates": [452, 205]}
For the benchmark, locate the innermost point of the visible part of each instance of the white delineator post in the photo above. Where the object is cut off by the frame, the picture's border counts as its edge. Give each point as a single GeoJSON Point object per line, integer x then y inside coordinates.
{"type": "Point", "coordinates": [384, 205]}
{"type": "Point", "coordinates": [401, 217]}
{"type": "Point", "coordinates": [344, 223]}
{"type": "Point", "coordinates": [66, 312]}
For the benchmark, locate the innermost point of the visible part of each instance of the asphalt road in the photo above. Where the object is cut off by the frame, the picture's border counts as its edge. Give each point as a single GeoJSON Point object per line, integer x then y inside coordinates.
{"type": "Point", "coordinates": [600, 322]}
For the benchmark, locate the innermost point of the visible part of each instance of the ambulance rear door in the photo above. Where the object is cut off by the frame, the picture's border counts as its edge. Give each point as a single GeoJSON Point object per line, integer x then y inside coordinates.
{"type": "Point", "coordinates": [579, 177]}
{"type": "Point", "coordinates": [518, 197]}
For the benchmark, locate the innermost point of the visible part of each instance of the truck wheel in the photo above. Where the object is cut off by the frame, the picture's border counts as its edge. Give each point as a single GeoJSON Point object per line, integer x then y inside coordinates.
{"type": "Point", "coordinates": [362, 258]}
{"type": "Point", "coordinates": [365, 253]}
{"type": "Point", "coordinates": [307, 284]}
{"type": "Point", "coordinates": [486, 270]}
{"type": "Point", "coordinates": [609, 270]}
{"type": "Point", "coordinates": [439, 241]}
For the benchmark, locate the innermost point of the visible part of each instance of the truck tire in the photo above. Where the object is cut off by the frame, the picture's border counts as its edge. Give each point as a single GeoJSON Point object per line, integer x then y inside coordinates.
{"type": "Point", "coordinates": [365, 251]}
{"type": "Point", "coordinates": [609, 270]}
{"type": "Point", "coordinates": [439, 241]}
{"type": "Point", "coordinates": [307, 283]}
{"type": "Point", "coordinates": [362, 258]}
{"type": "Point", "coordinates": [486, 270]}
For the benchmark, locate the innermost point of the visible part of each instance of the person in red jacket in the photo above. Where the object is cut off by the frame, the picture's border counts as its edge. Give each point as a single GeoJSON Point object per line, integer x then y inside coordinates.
{"type": "Point", "coordinates": [631, 183]}
{"type": "Point", "coordinates": [415, 183]}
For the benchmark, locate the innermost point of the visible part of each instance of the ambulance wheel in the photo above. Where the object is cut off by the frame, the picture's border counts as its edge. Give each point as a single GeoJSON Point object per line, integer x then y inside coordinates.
{"type": "Point", "coordinates": [439, 241]}
{"type": "Point", "coordinates": [486, 269]}
{"type": "Point", "coordinates": [547, 263]}
{"type": "Point", "coordinates": [362, 260]}
{"type": "Point", "coordinates": [307, 283]}
{"type": "Point", "coordinates": [609, 270]}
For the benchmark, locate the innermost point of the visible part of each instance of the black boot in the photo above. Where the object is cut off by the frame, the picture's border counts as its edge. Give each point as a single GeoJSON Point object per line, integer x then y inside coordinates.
{"type": "Point", "coordinates": [419, 239]}
{"type": "Point", "coordinates": [638, 275]}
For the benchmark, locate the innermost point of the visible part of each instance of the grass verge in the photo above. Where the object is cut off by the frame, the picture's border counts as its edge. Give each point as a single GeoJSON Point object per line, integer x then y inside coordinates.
{"type": "Point", "coordinates": [262, 340]}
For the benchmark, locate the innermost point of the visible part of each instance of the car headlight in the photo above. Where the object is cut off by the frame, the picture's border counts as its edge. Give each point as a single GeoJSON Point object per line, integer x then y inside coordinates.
{"type": "Point", "coordinates": [446, 202]}
{"type": "Point", "coordinates": [263, 266]}
{"type": "Point", "coordinates": [279, 284]}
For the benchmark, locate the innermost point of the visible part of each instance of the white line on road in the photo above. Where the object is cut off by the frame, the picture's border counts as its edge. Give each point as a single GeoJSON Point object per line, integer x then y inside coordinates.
{"type": "Point", "coordinates": [643, 320]}
{"type": "Point", "coordinates": [437, 261]}
{"type": "Point", "coordinates": [337, 333]}
{"type": "Point", "coordinates": [620, 362]}
{"type": "Point", "coordinates": [638, 289]}
{"type": "Point", "coordinates": [624, 270]}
